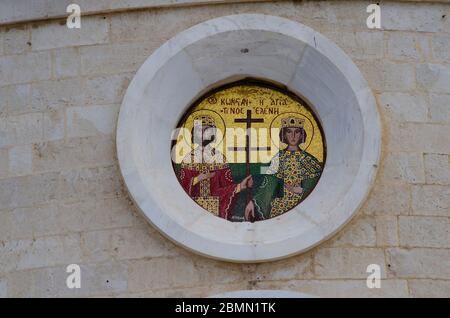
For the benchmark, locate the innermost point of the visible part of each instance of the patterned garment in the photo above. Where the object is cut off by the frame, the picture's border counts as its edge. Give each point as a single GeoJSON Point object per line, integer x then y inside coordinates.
{"type": "Point", "coordinates": [296, 168]}
{"type": "Point", "coordinates": [216, 194]}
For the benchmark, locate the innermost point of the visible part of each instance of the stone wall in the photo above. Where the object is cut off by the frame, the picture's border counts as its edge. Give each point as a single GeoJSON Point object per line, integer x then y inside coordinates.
{"type": "Point", "coordinates": [62, 199]}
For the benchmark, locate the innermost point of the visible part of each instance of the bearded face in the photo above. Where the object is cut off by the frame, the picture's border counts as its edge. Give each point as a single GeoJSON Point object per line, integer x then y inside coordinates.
{"type": "Point", "coordinates": [203, 135]}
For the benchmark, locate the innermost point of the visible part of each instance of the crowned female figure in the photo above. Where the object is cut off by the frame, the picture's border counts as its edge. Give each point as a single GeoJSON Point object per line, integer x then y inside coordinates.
{"type": "Point", "coordinates": [296, 170]}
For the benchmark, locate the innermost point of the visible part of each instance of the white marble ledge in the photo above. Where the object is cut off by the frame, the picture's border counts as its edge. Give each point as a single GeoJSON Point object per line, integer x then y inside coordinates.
{"type": "Point", "coordinates": [17, 11]}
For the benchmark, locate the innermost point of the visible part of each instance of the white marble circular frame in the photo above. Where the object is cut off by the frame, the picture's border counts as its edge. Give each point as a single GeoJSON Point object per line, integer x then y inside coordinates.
{"type": "Point", "coordinates": [224, 50]}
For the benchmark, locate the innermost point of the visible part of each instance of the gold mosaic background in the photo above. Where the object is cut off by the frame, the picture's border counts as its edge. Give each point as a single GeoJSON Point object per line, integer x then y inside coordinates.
{"type": "Point", "coordinates": [264, 102]}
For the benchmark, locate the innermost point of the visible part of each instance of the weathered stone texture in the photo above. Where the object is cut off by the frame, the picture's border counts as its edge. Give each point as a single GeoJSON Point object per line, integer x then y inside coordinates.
{"type": "Point", "coordinates": [418, 231]}
{"type": "Point", "coordinates": [389, 199]}
{"type": "Point", "coordinates": [94, 30]}
{"type": "Point", "coordinates": [427, 288]}
{"type": "Point", "coordinates": [347, 262]}
{"type": "Point", "coordinates": [437, 168]}
{"type": "Point", "coordinates": [403, 166]}
{"type": "Point", "coordinates": [62, 198]}
{"type": "Point", "coordinates": [387, 230]}
{"type": "Point", "coordinates": [341, 288]}
{"type": "Point", "coordinates": [24, 68]}
{"type": "Point", "coordinates": [16, 40]}
{"type": "Point", "coordinates": [431, 200]}
{"type": "Point", "coordinates": [419, 263]}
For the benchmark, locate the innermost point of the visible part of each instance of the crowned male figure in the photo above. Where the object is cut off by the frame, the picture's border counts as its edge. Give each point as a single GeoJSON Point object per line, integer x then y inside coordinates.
{"type": "Point", "coordinates": [205, 175]}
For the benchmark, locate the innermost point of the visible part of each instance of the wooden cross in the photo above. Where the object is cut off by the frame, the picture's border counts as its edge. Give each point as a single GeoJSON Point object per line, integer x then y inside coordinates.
{"type": "Point", "coordinates": [248, 121]}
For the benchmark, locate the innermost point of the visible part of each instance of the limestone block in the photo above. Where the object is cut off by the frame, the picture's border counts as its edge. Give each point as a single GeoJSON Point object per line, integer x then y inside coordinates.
{"type": "Point", "coordinates": [126, 243]}
{"type": "Point", "coordinates": [16, 99]}
{"type": "Point", "coordinates": [406, 17]}
{"type": "Point", "coordinates": [198, 291]}
{"type": "Point", "coordinates": [40, 252]}
{"type": "Point", "coordinates": [419, 231]}
{"type": "Point", "coordinates": [440, 108]}
{"type": "Point", "coordinates": [123, 25]}
{"type": "Point", "coordinates": [404, 107]}
{"type": "Point", "coordinates": [28, 190]}
{"type": "Point", "coordinates": [3, 101]}
{"type": "Point", "coordinates": [345, 15]}
{"type": "Point", "coordinates": [4, 162]}
{"type": "Point", "coordinates": [20, 160]}
{"type": "Point", "coordinates": [106, 89]}
{"type": "Point", "coordinates": [403, 166]}
{"type": "Point", "coordinates": [387, 233]}
{"type": "Point", "coordinates": [429, 288]}
{"type": "Point", "coordinates": [388, 76]}
{"type": "Point", "coordinates": [431, 200]}
{"type": "Point", "coordinates": [433, 77]}
{"type": "Point", "coordinates": [340, 288]}
{"type": "Point", "coordinates": [96, 246]}
{"type": "Point", "coordinates": [347, 262]}
{"type": "Point", "coordinates": [402, 46]}
{"type": "Point", "coordinates": [96, 214]}
{"type": "Point", "coordinates": [388, 199]}
{"type": "Point", "coordinates": [398, 76]}
{"type": "Point", "coordinates": [94, 30]}
{"type": "Point", "coordinates": [24, 68]}
{"type": "Point", "coordinates": [5, 225]}
{"type": "Point", "coordinates": [136, 243]}
{"type": "Point", "coordinates": [159, 273]}
{"type": "Point", "coordinates": [73, 153]}
{"type": "Point", "coordinates": [16, 40]}
{"type": "Point", "coordinates": [53, 125]}
{"type": "Point", "coordinates": [437, 168]}
{"type": "Point", "coordinates": [298, 267]}
{"type": "Point", "coordinates": [3, 285]}
{"type": "Point", "coordinates": [359, 45]}
{"type": "Point", "coordinates": [209, 270]}
{"type": "Point", "coordinates": [21, 129]}
{"type": "Point", "coordinates": [441, 47]}
{"type": "Point", "coordinates": [360, 232]}
{"type": "Point", "coordinates": [36, 221]}
{"type": "Point", "coordinates": [42, 282]}
{"type": "Point", "coordinates": [66, 62]}
{"type": "Point", "coordinates": [92, 120]}
{"type": "Point", "coordinates": [418, 137]}
{"type": "Point", "coordinates": [418, 263]}
{"type": "Point", "coordinates": [114, 58]}
{"type": "Point", "coordinates": [90, 182]}
{"type": "Point", "coordinates": [55, 95]}
{"type": "Point", "coordinates": [103, 279]}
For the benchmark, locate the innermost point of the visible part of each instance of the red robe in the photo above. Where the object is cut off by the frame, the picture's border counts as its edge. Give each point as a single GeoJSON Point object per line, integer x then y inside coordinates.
{"type": "Point", "coordinates": [221, 185]}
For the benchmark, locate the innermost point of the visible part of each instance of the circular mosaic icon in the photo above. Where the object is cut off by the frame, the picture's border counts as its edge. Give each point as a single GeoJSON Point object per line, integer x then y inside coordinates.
{"type": "Point", "coordinates": [248, 151]}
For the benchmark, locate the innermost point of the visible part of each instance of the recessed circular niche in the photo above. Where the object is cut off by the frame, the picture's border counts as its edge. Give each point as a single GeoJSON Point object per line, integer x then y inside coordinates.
{"type": "Point", "coordinates": [248, 151]}
{"type": "Point", "coordinates": [222, 51]}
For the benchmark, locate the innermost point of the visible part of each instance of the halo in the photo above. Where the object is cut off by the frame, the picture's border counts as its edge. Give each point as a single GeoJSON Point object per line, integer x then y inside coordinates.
{"type": "Point", "coordinates": [308, 126]}
{"type": "Point", "coordinates": [189, 123]}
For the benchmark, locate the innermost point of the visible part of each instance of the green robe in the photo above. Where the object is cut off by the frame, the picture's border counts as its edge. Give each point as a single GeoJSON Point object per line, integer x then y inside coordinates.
{"type": "Point", "coordinates": [270, 196]}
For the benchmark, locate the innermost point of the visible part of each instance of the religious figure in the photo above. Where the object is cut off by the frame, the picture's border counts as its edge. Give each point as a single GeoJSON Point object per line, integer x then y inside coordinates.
{"type": "Point", "coordinates": [205, 175]}
{"type": "Point", "coordinates": [292, 170]}
{"type": "Point", "coordinates": [254, 187]}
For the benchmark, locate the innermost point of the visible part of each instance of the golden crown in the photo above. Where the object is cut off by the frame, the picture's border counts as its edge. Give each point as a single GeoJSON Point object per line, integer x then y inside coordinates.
{"type": "Point", "coordinates": [292, 122]}
{"type": "Point", "coordinates": [205, 120]}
